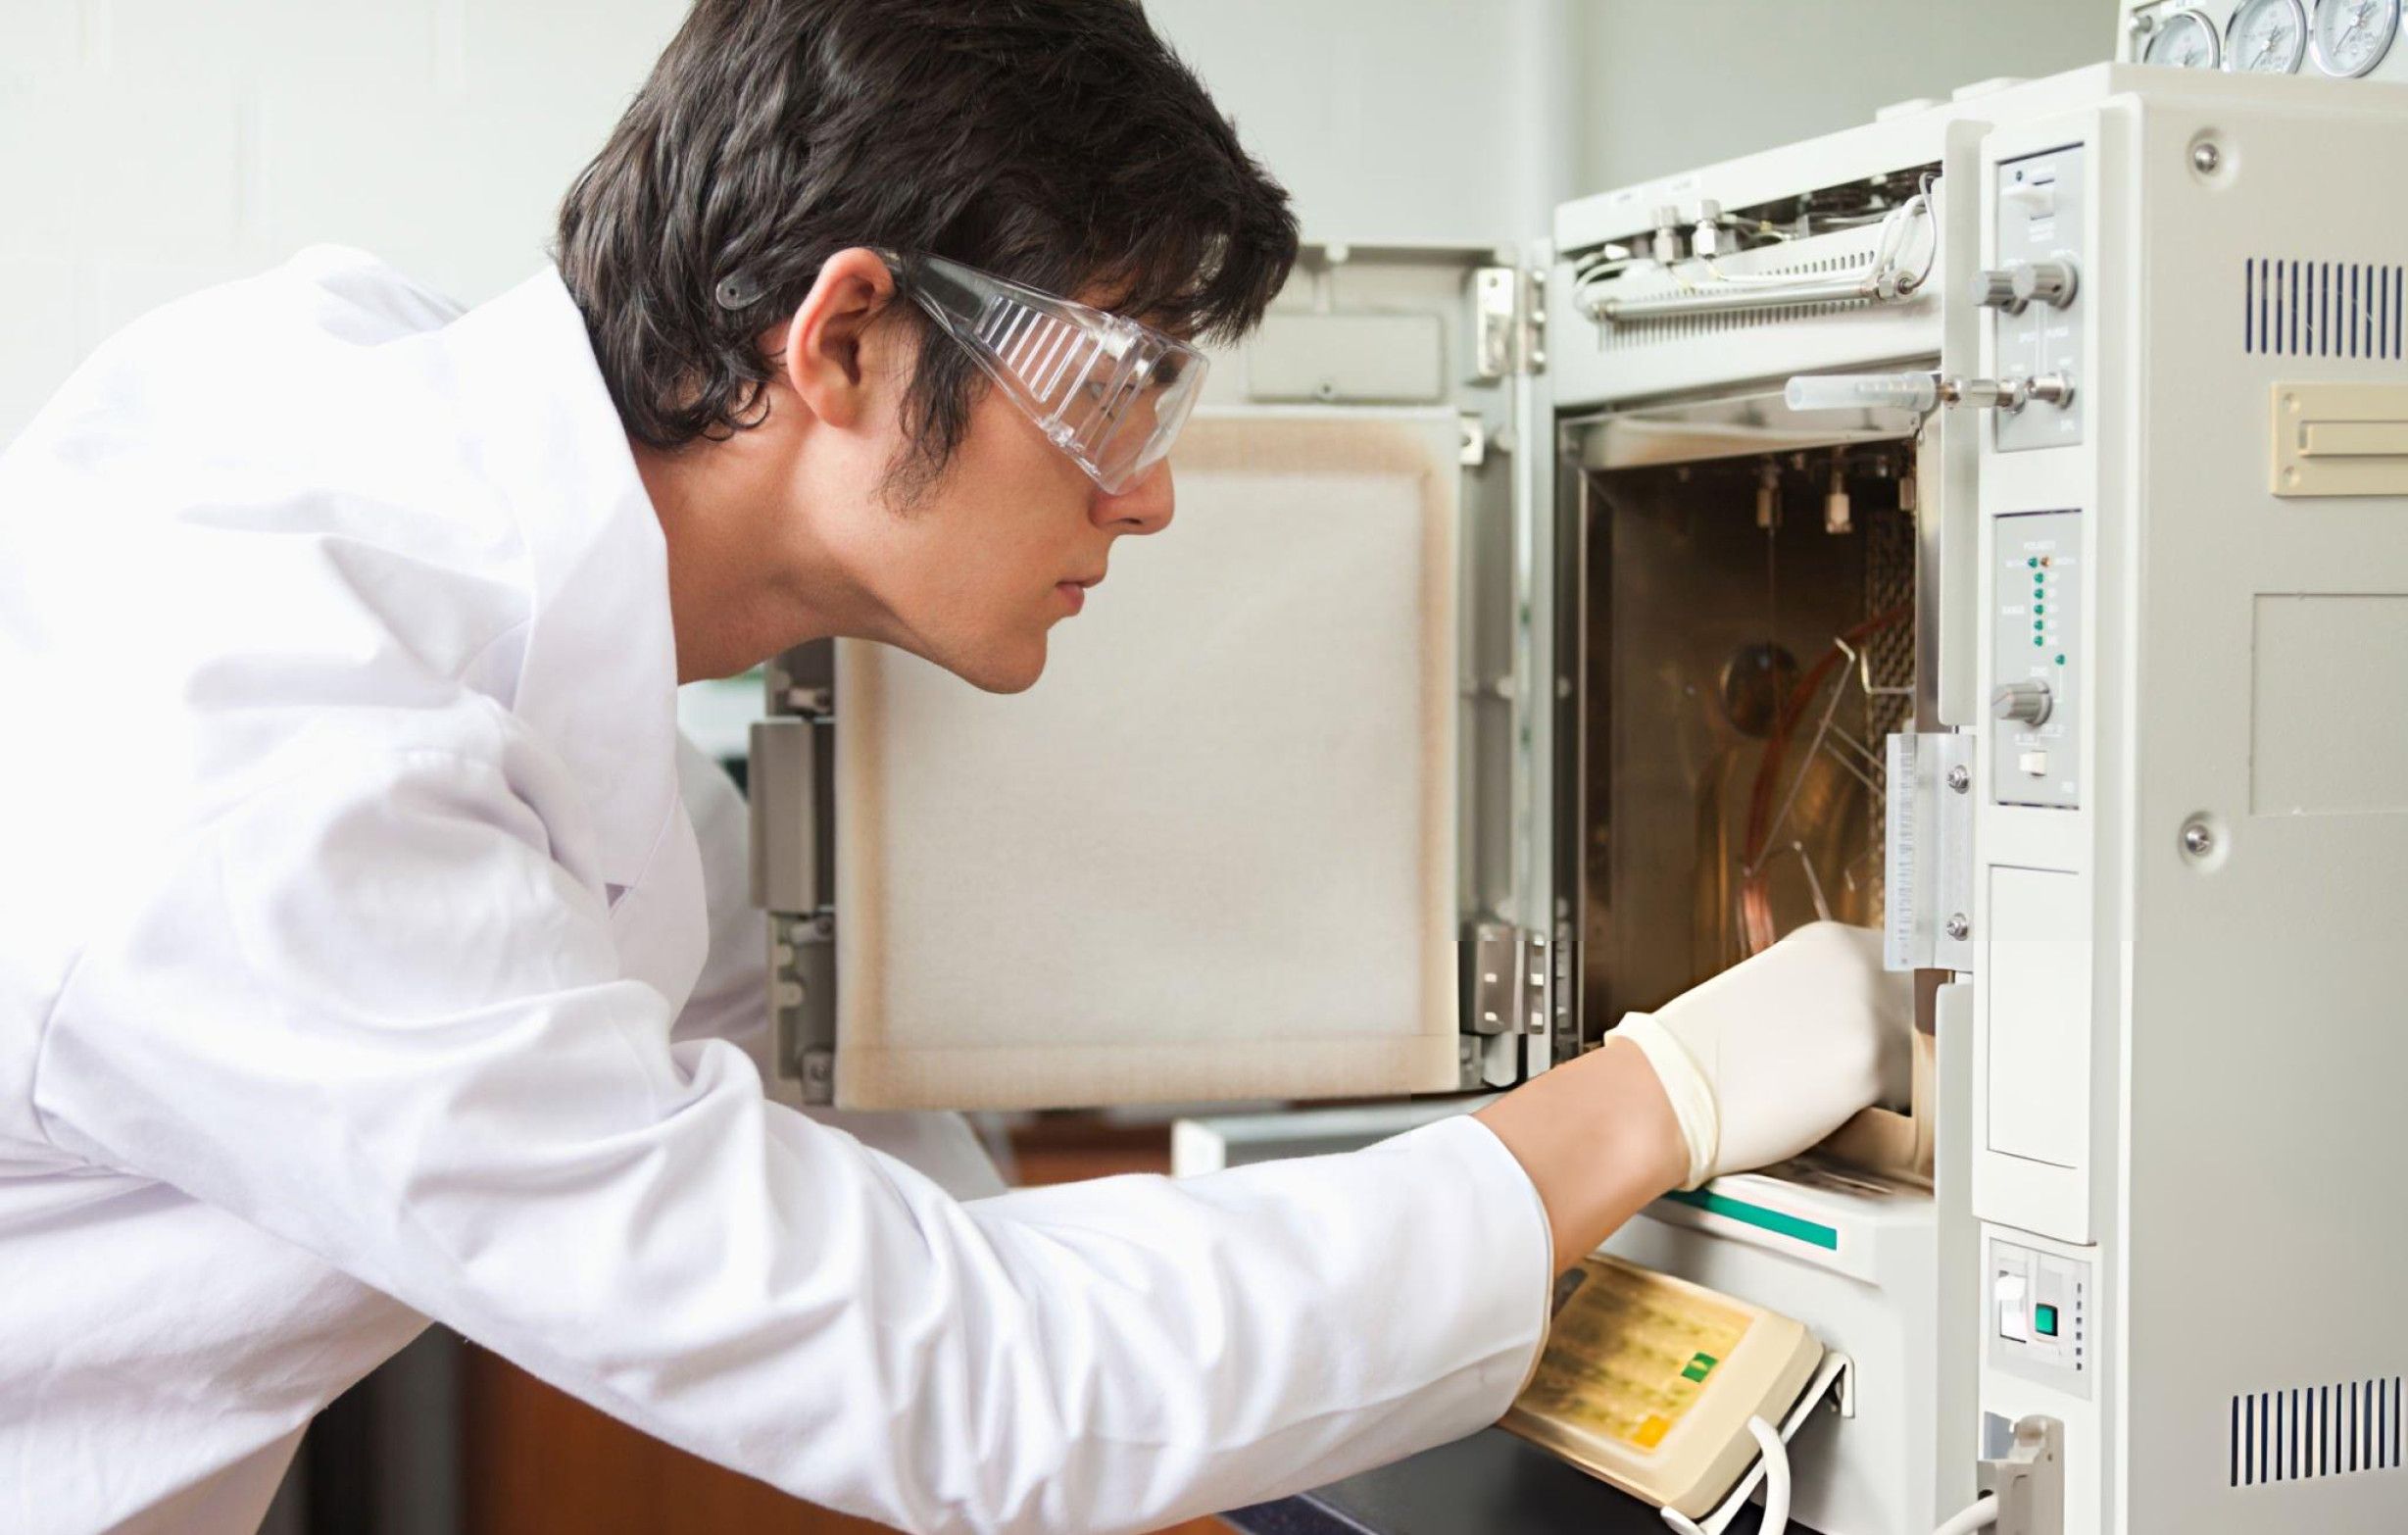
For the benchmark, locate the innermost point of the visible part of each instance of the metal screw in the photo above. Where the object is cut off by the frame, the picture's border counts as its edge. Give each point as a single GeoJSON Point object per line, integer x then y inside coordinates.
{"type": "Point", "coordinates": [2205, 157]}
{"type": "Point", "coordinates": [1960, 779]}
{"type": "Point", "coordinates": [2197, 840]}
{"type": "Point", "coordinates": [1959, 926]}
{"type": "Point", "coordinates": [818, 1077]}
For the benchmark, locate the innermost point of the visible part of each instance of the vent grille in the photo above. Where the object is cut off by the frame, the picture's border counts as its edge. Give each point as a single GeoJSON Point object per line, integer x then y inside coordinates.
{"type": "Point", "coordinates": [2315, 1431]}
{"type": "Point", "coordinates": [1627, 335]}
{"type": "Point", "coordinates": [2321, 308]}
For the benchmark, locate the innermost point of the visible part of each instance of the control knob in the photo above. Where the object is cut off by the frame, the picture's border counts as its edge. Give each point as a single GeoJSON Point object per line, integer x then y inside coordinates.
{"type": "Point", "coordinates": [2024, 703]}
{"type": "Point", "coordinates": [1994, 288]}
{"type": "Point", "coordinates": [2049, 282]}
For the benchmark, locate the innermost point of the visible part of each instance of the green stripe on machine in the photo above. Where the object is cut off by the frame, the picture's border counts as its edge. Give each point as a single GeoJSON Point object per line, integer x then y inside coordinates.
{"type": "Point", "coordinates": [1811, 1232]}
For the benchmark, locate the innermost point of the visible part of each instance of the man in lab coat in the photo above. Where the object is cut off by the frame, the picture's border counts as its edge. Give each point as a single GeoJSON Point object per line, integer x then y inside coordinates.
{"type": "Point", "coordinates": [377, 953]}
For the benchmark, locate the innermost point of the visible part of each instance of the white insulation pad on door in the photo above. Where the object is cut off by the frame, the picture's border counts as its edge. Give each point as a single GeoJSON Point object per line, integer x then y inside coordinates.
{"type": "Point", "coordinates": [1211, 855]}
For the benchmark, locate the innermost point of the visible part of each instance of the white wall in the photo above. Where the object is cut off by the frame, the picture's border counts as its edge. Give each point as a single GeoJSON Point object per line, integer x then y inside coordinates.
{"type": "Point", "coordinates": [148, 147]}
{"type": "Point", "coordinates": [1444, 123]}
{"type": "Point", "coordinates": [1668, 84]}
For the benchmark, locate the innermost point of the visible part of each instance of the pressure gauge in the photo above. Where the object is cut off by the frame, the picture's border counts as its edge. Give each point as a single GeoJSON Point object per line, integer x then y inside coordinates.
{"type": "Point", "coordinates": [2350, 37]}
{"type": "Point", "coordinates": [2185, 39]}
{"type": "Point", "coordinates": [2266, 37]}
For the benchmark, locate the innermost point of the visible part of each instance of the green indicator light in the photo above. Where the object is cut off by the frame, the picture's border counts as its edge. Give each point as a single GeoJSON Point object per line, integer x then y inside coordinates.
{"type": "Point", "coordinates": [2033, 562]}
{"type": "Point", "coordinates": [2045, 1320]}
{"type": "Point", "coordinates": [2038, 642]}
{"type": "Point", "coordinates": [2060, 660]}
{"type": "Point", "coordinates": [2037, 623]}
{"type": "Point", "coordinates": [2038, 607]}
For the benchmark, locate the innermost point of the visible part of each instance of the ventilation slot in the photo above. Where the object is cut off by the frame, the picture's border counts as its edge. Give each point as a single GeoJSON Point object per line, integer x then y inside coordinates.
{"type": "Point", "coordinates": [1632, 334]}
{"type": "Point", "coordinates": [2321, 308]}
{"type": "Point", "coordinates": [2314, 1431]}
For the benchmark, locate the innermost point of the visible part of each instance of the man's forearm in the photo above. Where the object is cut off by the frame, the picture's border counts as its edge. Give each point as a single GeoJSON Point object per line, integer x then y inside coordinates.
{"type": "Point", "coordinates": [1598, 1139]}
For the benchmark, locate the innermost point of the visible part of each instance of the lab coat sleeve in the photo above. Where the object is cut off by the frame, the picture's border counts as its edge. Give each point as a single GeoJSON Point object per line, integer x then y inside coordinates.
{"type": "Point", "coordinates": [370, 1013]}
{"type": "Point", "coordinates": [730, 999]}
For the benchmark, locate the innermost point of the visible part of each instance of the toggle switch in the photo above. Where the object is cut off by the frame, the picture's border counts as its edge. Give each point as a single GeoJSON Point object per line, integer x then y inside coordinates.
{"type": "Point", "coordinates": [2035, 200]}
{"type": "Point", "coordinates": [2014, 1321]}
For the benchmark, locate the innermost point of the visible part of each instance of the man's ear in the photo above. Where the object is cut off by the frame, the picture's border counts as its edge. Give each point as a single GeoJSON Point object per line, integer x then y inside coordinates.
{"type": "Point", "coordinates": [823, 352]}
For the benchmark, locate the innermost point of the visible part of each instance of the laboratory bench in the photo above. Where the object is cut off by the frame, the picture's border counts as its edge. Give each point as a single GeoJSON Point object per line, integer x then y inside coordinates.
{"type": "Point", "coordinates": [1489, 1484]}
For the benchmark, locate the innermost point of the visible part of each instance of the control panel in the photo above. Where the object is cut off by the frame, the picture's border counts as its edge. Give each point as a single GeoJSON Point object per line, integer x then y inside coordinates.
{"type": "Point", "coordinates": [2040, 1316]}
{"type": "Point", "coordinates": [2035, 652]}
{"type": "Point", "coordinates": [2035, 293]}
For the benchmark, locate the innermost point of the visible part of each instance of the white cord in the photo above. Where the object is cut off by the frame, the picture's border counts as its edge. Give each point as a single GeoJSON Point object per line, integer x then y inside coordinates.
{"type": "Point", "coordinates": [1775, 1478]}
{"type": "Point", "coordinates": [1891, 245]}
{"type": "Point", "coordinates": [1775, 1456]}
{"type": "Point", "coordinates": [1980, 1515]}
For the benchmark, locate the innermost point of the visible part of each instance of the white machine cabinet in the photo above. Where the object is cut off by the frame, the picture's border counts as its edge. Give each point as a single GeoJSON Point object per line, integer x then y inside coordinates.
{"type": "Point", "coordinates": [1531, 647]}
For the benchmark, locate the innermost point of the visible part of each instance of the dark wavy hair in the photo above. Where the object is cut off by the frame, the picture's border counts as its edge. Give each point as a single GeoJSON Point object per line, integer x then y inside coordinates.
{"type": "Point", "coordinates": [1059, 142]}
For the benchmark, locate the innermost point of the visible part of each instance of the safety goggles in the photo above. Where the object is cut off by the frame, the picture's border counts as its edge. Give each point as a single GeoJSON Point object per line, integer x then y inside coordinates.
{"type": "Point", "coordinates": [1108, 392]}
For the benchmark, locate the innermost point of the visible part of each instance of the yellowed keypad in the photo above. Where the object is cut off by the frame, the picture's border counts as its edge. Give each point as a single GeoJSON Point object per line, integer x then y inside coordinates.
{"type": "Point", "coordinates": [1627, 1359]}
{"type": "Point", "coordinates": [1649, 1383]}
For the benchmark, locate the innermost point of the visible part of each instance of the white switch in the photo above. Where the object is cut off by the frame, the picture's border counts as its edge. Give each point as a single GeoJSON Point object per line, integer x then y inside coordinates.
{"type": "Point", "coordinates": [2034, 764]}
{"type": "Point", "coordinates": [2014, 1319]}
{"type": "Point", "coordinates": [2035, 200]}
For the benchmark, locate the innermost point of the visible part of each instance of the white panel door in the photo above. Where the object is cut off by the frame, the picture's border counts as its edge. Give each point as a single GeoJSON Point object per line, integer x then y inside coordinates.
{"type": "Point", "coordinates": [1211, 855]}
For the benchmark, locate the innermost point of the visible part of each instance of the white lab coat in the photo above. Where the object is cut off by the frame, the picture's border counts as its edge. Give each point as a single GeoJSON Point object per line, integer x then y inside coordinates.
{"type": "Point", "coordinates": [369, 953]}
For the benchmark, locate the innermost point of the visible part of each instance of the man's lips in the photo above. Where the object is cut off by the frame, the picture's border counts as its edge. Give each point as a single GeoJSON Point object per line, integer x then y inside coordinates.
{"type": "Point", "coordinates": [1074, 592]}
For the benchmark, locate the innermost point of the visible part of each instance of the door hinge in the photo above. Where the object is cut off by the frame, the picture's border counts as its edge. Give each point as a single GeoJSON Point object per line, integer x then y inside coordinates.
{"type": "Point", "coordinates": [1928, 880]}
{"type": "Point", "coordinates": [790, 789]}
{"type": "Point", "coordinates": [1510, 996]}
{"type": "Point", "coordinates": [1508, 321]}
{"type": "Point", "coordinates": [1512, 981]}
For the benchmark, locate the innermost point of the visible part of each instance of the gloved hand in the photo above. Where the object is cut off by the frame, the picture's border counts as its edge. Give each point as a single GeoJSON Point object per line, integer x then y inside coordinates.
{"type": "Point", "coordinates": [1776, 1053]}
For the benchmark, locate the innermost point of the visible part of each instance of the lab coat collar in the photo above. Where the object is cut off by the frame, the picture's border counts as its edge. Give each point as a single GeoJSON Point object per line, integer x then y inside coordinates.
{"type": "Point", "coordinates": [599, 680]}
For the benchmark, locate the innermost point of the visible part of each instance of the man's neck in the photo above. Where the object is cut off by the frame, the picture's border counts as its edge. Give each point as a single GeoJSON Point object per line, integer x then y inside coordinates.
{"type": "Point", "coordinates": [735, 600]}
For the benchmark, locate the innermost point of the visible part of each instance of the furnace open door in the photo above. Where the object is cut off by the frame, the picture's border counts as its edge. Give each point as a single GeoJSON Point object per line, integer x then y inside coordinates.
{"type": "Point", "coordinates": [1211, 856]}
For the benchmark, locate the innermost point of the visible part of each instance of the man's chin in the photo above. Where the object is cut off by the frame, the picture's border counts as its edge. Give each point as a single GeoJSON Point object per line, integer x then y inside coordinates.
{"type": "Point", "coordinates": [1014, 672]}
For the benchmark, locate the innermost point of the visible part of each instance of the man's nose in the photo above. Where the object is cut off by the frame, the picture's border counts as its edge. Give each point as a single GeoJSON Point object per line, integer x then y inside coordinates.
{"type": "Point", "coordinates": [1143, 508]}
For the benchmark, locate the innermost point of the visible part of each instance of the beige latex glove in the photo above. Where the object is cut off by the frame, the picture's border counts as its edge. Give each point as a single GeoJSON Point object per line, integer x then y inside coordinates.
{"type": "Point", "coordinates": [1776, 1053]}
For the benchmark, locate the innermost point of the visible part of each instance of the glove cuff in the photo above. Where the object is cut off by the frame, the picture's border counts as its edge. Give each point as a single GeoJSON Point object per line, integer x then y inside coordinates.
{"type": "Point", "coordinates": [1690, 1094]}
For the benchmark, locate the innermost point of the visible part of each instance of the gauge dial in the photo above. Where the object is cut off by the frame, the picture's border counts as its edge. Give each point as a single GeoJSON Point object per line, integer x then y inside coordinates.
{"type": "Point", "coordinates": [2185, 39]}
{"type": "Point", "coordinates": [2266, 37]}
{"type": "Point", "coordinates": [2350, 37]}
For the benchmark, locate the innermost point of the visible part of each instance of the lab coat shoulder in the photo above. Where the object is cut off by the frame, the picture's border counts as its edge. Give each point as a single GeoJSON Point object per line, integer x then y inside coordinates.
{"type": "Point", "coordinates": [278, 473]}
{"type": "Point", "coordinates": [247, 542]}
